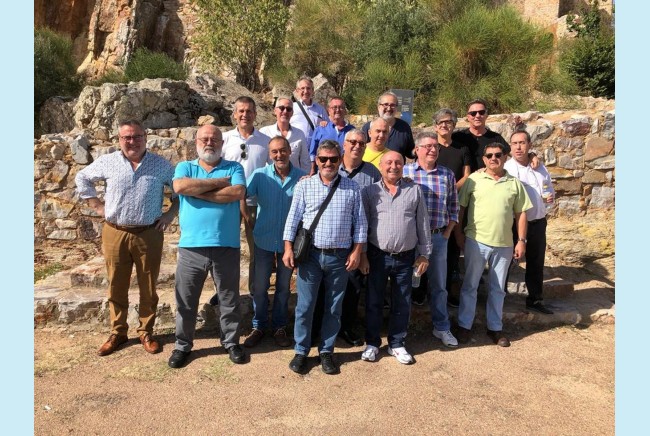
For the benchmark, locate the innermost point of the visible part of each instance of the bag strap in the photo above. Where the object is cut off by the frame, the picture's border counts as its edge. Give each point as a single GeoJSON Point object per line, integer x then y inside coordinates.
{"type": "Point", "coordinates": [356, 170]}
{"type": "Point", "coordinates": [304, 112]}
{"type": "Point", "coordinates": [324, 205]}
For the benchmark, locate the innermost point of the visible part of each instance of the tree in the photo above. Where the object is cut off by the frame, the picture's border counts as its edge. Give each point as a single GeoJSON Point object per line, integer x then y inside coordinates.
{"type": "Point", "coordinates": [240, 35]}
{"type": "Point", "coordinates": [54, 70]}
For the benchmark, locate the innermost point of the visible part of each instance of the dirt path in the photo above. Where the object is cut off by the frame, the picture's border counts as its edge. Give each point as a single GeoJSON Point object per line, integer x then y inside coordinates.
{"type": "Point", "coordinates": [558, 381]}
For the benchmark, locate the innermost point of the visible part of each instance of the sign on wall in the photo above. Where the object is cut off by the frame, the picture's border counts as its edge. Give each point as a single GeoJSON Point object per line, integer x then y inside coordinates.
{"type": "Point", "coordinates": [405, 103]}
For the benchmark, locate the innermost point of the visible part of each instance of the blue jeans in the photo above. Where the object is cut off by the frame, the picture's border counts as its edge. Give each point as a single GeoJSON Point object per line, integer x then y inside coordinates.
{"type": "Point", "coordinates": [476, 255]}
{"type": "Point", "coordinates": [437, 275]}
{"type": "Point", "coordinates": [400, 270]}
{"type": "Point", "coordinates": [327, 266]}
{"type": "Point", "coordinates": [264, 261]}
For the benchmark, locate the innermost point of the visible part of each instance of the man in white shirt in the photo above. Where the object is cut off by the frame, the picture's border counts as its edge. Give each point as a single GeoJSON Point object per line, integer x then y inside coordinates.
{"type": "Point", "coordinates": [299, 148]}
{"type": "Point", "coordinates": [539, 188]}
{"type": "Point", "coordinates": [249, 147]}
{"type": "Point", "coordinates": [307, 113]}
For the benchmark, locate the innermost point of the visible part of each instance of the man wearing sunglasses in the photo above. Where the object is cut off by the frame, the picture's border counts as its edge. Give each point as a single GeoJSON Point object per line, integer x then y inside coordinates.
{"type": "Point", "coordinates": [492, 199]}
{"type": "Point", "coordinates": [299, 149]}
{"type": "Point", "coordinates": [249, 147]}
{"type": "Point", "coordinates": [400, 136]}
{"type": "Point", "coordinates": [335, 130]}
{"type": "Point", "coordinates": [477, 136]}
{"type": "Point", "coordinates": [336, 250]}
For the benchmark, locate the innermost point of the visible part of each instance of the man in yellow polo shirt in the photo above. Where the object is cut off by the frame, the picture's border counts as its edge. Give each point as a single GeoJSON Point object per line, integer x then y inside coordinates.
{"type": "Point", "coordinates": [376, 147]}
{"type": "Point", "coordinates": [492, 199]}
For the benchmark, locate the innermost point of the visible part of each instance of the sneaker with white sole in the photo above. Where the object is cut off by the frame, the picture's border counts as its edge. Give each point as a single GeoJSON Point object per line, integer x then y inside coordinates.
{"type": "Point", "coordinates": [401, 355]}
{"type": "Point", "coordinates": [446, 337]}
{"type": "Point", "coordinates": [370, 353]}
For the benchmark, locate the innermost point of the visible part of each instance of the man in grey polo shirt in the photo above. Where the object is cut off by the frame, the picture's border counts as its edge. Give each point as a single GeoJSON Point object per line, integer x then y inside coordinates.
{"type": "Point", "coordinates": [399, 240]}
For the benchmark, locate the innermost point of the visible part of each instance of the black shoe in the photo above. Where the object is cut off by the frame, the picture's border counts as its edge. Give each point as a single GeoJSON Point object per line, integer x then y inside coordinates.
{"type": "Point", "coordinates": [538, 306]}
{"type": "Point", "coordinates": [327, 363]}
{"type": "Point", "coordinates": [350, 337]}
{"type": "Point", "coordinates": [418, 299]}
{"type": "Point", "coordinates": [452, 301]}
{"type": "Point", "coordinates": [236, 354]}
{"type": "Point", "coordinates": [386, 303]}
{"type": "Point", "coordinates": [178, 358]}
{"type": "Point", "coordinates": [298, 363]}
{"type": "Point", "coordinates": [214, 301]}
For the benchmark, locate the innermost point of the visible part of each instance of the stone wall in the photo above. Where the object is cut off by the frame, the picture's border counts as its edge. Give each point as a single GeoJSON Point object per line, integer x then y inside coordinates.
{"type": "Point", "coordinates": [577, 147]}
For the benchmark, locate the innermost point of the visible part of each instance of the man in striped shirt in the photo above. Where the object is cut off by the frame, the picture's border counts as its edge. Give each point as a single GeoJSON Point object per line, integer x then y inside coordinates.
{"type": "Point", "coordinates": [336, 249]}
{"type": "Point", "coordinates": [439, 186]}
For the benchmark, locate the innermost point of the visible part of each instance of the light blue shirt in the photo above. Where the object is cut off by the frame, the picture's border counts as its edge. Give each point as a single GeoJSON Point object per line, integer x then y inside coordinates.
{"type": "Point", "coordinates": [330, 131]}
{"type": "Point", "coordinates": [343, 222]}
{"type": "Point", "coordinates": [274, 197]}
{"type": "Point", "coordinates": [205, 223]}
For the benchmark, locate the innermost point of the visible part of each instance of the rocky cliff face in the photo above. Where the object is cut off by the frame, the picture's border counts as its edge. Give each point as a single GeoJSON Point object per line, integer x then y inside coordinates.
{"type": "Point", "coordinates": [106, 32]}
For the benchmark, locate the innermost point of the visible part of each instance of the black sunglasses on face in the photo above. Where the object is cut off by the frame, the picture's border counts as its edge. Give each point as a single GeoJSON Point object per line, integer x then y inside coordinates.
{"type": "Point", "coordinates": [285, 108]}
{"type": "Point", "coordinates": [473, 113]}
{"type": "Point", "coordinates": [333, 159]}
{"type": "Point", "coordinates": [497, 155]}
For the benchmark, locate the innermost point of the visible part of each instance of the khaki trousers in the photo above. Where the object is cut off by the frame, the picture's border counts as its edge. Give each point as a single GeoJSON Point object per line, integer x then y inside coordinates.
{"type": "Point", "coordinates": [123, 249]}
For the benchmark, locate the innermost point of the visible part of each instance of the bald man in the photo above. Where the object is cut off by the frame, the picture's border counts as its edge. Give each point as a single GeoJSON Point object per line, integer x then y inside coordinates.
{"type": "Point", "coordinates": [376, 148]}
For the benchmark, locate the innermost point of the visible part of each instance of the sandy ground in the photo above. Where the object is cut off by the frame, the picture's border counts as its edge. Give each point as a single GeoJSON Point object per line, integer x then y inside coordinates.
{"type": "Point", "coordinates": [554, 381]}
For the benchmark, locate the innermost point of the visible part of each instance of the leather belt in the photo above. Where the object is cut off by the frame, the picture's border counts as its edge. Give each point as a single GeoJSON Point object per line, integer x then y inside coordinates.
{"type": "Point", "coordinates": [328, 250]}
{"type": "Point", "coordinates": [397, 255]}
{"type": "Point", "coordinates": [438, 230]}
{"type": "Point", "coordinates": [130, 229]}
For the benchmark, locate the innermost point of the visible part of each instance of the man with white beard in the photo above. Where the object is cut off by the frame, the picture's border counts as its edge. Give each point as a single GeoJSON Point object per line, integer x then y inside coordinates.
{"type": "Point", "coordinates": [210, 189]}
{"type": "Point", "coordinates": [400, 136]}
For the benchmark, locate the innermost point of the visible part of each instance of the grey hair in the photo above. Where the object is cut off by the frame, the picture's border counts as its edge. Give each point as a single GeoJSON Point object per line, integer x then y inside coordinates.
{"type": "Point", "coordinates": [392, 94]}
{"type": "Point", "coordinates": [304, 78]}
{"type": "Point", "coordinates": [422, 135]}
{"type": "Point", "coordinates": [444, 112]}
{"type": "Point", "coordinates": [356, 132]}
{"type": "Point", "coordinates": [328, 144]}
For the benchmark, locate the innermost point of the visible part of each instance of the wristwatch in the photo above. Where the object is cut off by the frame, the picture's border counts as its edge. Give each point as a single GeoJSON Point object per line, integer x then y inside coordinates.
{"type": "Point", "coordinates": [522, 240]}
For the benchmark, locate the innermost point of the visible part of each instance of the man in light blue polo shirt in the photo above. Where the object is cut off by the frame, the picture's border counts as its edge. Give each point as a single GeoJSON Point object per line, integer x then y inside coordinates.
{"type": "Point", "coordinates": [334, 130]}
{"type": "Point", "coordinates": [273, 187]}
{"type": "Point", "coordinates": [210, 189]}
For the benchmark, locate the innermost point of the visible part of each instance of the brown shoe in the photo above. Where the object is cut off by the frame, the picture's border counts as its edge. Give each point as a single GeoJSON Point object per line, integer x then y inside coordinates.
{"type": "Point", "coordinates": [281, 338]}
{"type": "Point", "coordinates": [498, 338]}
{"type": "Point", "coordinates": [463, 335]}
{"type": "Point", "coordinates": [112, 343]}
{"type": "Point", "coordinates": [254, 338]}
{"type": "Point", "coordinates": [150, 344]}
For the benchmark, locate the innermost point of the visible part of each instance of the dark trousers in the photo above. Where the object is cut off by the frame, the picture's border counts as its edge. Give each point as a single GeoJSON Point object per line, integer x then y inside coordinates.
{"type": "Point", "coordinates": [535, 252]}
{"type": "Point", "coordinates": [350, 306]}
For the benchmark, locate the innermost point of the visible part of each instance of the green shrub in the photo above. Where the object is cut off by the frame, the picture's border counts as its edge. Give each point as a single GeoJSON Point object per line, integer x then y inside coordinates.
{"type": "Point", "coordinates": [110, 76]}
{"type": "Point", "coordinates": [145, 64]}
{"type": "Point", "coordinates": [54, 69]}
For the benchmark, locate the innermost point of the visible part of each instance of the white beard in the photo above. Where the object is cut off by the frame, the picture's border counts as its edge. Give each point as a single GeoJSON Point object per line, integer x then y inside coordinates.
{"type": "Point", "coordinates": [210, 157]}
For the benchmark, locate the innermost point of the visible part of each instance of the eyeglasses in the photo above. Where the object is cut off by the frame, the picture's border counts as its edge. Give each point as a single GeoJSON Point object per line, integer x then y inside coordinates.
{"type": "Point", "coordinates": [429, 146]}
{"type": "Point", "coordinates": [209, 140]}
{"type": "Point", "coordinates": [354, 142]}
{"type": "Point", "coordinates": [473, 113]}
{"type": "Point", "coordinates": [497, 155]}
{"type": "Point", "coordinates": [131, 138]}
{"type": "Point", "coordinates": [447, 122]}
{"type": "Point", "coordinates": [285, 108]}
{"type": "Point", "coordinates": [337, 108]}
{"type": "Point", "coordinates": [333, 159]}
{"type": "Point", "coordinates": [388, 105]}
{"type": "Point", "coordinates": [243, 153]}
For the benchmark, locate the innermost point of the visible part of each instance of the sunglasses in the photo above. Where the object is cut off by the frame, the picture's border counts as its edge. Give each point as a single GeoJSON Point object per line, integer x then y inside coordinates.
{"type": "Point", "coordinates": [497, 155]}
{"type": "Point", "coordinates": [243, 153]}
{"type": "Point", "coordinates": [333, 159]}
{"type": "Point", "coordinates": [285, 108]}
{"type": "Point", "coordinates": [354, 142]}
{"type": "Point", "coordinates": [474, 113]}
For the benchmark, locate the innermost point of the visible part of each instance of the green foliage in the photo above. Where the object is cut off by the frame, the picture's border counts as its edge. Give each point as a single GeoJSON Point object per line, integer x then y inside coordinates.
{"type": "Point", "coordinates": [46, 271]}
{"type": "Point", "coordinates": [54, 70]}
{"type": "Point", "coordinates": [145, 64]}
{"type": "Point", "coordinates": [110, 76]}
{"type": "Point", "coordinates": [488, 53]}
{"type": "Point", "coordinates": [589, 59]}
{"type": "Point", "coordinates": [240, 35]}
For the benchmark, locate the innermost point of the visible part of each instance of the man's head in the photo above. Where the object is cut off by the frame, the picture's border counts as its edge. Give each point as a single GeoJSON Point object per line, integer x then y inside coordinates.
{"type": "Point", "coordinates": [245, 113]}
{"type": "Point", "coordinates": [328, 157]}
{"type": "Point", "coordinates": [305, 89]}
{"type": "Point", "coordinates": [391, 166]}
{"type": "Point", "coordinates": [387, 106]}
{"type": "Point", "coordinates": [378, 133]}
{"type": "Point", "coordinates": [279, 152]}
{"type": "Point", "coordinates": [520, 146]}
{"type": "Point", "coordinates": [426, 148]}
{"type": "Point", "coordinates": [445, 121]}
{"type": "Point", "coordinates": [354, 145]}
{"type": "Point", "coordinates": [494, 157]}
{"type": "Point", "coordinates": [283, 110]}
{"type": "Point", "coordinates": [477, 112]}
{"type": "Point", "coordinates": [337, 111]}
{"type": "Point", "coordinates": [133, 140]}
{"type": "Point", "coordinates": [209, 143]}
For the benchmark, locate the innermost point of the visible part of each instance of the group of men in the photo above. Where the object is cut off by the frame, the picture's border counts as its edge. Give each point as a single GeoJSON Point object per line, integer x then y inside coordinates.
{"type": "Point", "coordinates": [384, 220]}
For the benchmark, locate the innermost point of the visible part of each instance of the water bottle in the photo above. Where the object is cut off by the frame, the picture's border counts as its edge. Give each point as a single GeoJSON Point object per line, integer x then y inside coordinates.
{"type": "Point", "coordinates": [415, 280]}
{"type": "Point", "coordinates": [546, 193]}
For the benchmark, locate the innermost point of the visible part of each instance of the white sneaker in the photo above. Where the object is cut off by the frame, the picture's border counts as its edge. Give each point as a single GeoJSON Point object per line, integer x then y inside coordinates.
{"type": "Point", "coordinates": [446, 337]}
{"type": "Point", "coordinates": [401, 354]}
{"type": "Point", "coordinates": [370, 353]}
